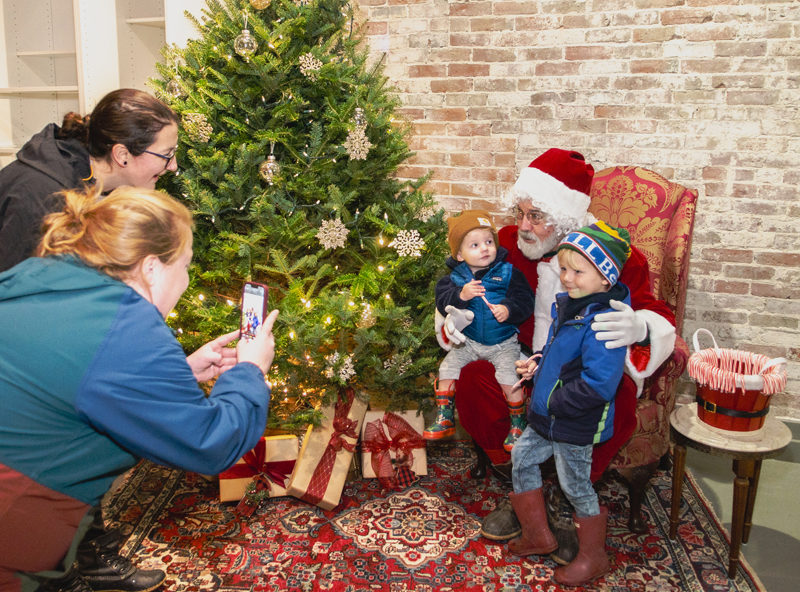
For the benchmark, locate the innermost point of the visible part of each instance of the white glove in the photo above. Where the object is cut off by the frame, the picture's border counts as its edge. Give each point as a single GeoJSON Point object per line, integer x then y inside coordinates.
{"type": "Point", "coordinates": [452, 325]}
{"type": "Point", "coordinates": [619, 329]}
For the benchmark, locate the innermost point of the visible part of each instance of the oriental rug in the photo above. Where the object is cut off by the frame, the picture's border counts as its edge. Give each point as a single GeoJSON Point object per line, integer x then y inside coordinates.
{"type": "Point", "coordinates": [424, 538]}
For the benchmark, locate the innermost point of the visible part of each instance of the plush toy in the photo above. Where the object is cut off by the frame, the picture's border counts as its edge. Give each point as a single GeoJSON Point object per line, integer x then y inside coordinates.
{"type": "Point", "coordinates": [448, 329]}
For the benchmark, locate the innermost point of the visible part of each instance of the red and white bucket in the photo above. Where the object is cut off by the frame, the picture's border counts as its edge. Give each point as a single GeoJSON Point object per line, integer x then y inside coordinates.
{"type": "Point", "coordinates": [734, 387]}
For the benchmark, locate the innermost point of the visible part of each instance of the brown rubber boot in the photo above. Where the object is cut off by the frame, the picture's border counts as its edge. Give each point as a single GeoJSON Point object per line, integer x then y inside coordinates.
{"type": "Point", "coordinates": [592, 561]}
{"type": "Point", "coordinates": [536, 537]}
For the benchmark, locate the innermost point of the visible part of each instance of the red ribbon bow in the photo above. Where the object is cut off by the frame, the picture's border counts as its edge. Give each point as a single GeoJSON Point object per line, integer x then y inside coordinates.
{"type": "Point", "coordinates": [255, 465]}
{"type": "Point", "coordinates": [342, 426]}
{"type": "Point", "coordinates": [404, 439]}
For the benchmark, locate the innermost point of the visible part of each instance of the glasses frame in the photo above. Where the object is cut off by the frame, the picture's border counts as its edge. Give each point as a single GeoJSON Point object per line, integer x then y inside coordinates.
{"type": "Point", "coordinates": [167, 157]}
{"type": "Point", "coordinates": [534, 217]}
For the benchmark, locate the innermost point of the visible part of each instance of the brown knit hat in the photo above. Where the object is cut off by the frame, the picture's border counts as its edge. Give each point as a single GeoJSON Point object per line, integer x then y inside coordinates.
{"type": "Point", "coordinates": [459, 226]}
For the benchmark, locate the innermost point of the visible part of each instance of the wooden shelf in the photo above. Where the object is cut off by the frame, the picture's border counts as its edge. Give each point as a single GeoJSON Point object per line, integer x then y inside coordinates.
{"type": "Point", "coordinates": [46, 53]}
{"type": "Point", "coordinates": [152, 21]}
{"type": "Point", "coordinates": [38, 90]}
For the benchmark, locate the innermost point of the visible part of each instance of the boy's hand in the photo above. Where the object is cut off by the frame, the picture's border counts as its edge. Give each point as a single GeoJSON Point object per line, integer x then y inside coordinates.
{"type": "Point", "coordinates": [526, 368]}
{"type": "Point", "coordinates": [500, 312]}
{"type": "Point", "coordinates": [473, 289]}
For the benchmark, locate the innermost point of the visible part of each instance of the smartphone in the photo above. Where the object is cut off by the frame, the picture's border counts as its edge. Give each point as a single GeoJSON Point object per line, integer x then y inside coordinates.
{"type": "Point", "coordinates": [254, 308]}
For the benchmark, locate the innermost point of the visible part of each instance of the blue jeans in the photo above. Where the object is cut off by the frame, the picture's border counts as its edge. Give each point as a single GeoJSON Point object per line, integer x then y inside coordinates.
{"type": "Point", "coordinates": [573, 465]}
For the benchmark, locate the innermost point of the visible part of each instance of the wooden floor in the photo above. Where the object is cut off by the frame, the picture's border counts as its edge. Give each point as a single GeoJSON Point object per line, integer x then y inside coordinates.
{"type": "Point", "coordinates": [774, 546]}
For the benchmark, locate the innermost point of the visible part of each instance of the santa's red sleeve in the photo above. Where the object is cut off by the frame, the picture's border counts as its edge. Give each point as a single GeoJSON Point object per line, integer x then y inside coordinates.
{"type": "Point", "coordinates": [643, 361]}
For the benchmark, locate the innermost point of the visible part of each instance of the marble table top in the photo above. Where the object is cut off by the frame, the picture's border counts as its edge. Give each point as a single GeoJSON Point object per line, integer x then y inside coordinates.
{"type": "Point", "coordinates": [769, 440]}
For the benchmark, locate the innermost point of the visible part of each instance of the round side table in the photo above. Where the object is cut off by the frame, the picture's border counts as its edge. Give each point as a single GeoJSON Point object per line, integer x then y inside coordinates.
{"type": "Point", "coordinates": [747, 449]}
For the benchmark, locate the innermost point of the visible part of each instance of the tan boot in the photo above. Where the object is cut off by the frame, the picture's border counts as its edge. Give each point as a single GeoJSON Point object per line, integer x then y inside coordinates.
{"type": "Point", "coordinates": [591, 561]}
{"type": "Point", "coordinates": [536, 537]}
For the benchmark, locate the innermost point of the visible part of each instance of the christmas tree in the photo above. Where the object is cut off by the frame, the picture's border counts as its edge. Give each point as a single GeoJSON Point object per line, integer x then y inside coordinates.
{"type": "Point", "coordinates": [288, 151]}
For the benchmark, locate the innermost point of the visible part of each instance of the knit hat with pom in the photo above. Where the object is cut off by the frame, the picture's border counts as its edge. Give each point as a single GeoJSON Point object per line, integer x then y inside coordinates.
{"type": "Point", "coordinates": [606, 247]}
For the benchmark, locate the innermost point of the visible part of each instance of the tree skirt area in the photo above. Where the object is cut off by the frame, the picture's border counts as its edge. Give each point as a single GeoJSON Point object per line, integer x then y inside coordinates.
{"type": "Point", "coordinates": [423, 538]}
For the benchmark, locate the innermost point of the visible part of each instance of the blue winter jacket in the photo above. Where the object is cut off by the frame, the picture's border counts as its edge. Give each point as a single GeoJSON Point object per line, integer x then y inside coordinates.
{"type": "Point", "coordinates": [577, 378]}
{"type": "Point", "coordinates": [92, 379]}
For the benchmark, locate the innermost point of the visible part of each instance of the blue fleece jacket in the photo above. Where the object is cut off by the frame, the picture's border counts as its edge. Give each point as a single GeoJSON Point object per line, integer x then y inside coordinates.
{"type": "Point", "coordinates": [577, 379]}
{"type": "Point", "coordinates": [92, 379]}
{"type": "Point", "coordinates": [504, 285]}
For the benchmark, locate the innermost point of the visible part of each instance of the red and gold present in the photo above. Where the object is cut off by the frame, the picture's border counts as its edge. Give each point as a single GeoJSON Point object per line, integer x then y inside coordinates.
{"type": "Point", "coordinates": [327, 452]}
{"type": "Point", "coordinates": [392, 447]}
{"type": "Point", "coordinates": [271, 462]}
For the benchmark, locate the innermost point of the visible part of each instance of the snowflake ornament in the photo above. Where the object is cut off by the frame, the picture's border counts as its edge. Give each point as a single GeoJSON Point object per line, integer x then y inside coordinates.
{"type": "Point", "coordinates": [426, 213]}
{"type": "Point", "coordinates": [309, 66]}
{"type": "Point", "coordinates": [357, 144]}
{"type": "Point", "coordinates": [408, 243]}
{"type": "Point", "coordinates": [332, 234]}
{"type": "Point", "coordinates": [197, 127]}
{"type": "Point", "coordinates": [399, 363]}
{"type": "Point", "coordinates": [346, 369]}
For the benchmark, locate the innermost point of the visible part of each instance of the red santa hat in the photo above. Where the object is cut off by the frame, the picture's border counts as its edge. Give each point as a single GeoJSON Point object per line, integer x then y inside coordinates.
{"type": "Point", "coordinates": [557, 183]}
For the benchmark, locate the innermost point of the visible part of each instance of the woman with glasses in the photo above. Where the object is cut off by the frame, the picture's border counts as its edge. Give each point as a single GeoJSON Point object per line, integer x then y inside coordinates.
{"type": "Point", "coordinates": [130, 138]}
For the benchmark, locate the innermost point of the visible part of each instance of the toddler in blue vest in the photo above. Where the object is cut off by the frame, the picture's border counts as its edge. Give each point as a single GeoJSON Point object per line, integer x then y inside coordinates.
{"type": "Point", "coordinates": [500, 298]}
{"type": "Point", "coordinates": [572, 405]}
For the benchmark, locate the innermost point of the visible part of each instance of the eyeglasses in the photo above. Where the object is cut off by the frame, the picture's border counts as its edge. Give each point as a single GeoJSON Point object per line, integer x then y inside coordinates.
{"type": "Point", "coordinates": [534, 217]}
{"type": "Point", "coordinates": [167, 157]}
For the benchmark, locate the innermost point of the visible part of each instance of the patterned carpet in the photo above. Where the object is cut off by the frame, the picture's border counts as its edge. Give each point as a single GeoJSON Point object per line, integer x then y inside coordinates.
{"type": "Point", "coordinates": [423, 539]}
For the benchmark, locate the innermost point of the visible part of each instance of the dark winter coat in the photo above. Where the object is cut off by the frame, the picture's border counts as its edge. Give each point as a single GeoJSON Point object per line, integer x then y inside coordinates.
{"type": "Point", "coordinates": [577, 378]}
{"type": "Point", "coordinates": [504, 285]}
{"type": "Point", "coordinates": [44, 166]}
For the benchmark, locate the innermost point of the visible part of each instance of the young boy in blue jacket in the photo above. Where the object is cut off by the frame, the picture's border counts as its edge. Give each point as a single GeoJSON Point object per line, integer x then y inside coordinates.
{"type": "Point", "coordinates": [500, 298]}
{"type": "Point", "coordinates": [572, 406]}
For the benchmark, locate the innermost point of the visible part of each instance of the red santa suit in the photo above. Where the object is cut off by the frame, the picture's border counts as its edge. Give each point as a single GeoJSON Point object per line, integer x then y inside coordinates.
{"type": "Point", "coordinates": [480, 402]}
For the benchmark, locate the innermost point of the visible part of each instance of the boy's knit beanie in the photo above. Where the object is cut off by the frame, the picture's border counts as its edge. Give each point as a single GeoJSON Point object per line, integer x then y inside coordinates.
{"type": "Point", "coordinates": [607, 248]}
{"type": "Point", "coordinates": [459, 226]}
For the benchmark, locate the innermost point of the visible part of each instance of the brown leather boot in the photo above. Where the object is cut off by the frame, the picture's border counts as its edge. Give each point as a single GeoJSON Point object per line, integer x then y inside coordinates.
{"type": "Point", "coordinates": [592, 561]}
{"type": "Point", "coordinates": [536, 536]}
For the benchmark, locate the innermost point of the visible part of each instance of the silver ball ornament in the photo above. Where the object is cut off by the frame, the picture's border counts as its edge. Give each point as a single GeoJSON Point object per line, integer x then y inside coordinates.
{"type": "Point", "coordinates": [269, 169]}
{"type": "Point", "coordinates": [245, 44]}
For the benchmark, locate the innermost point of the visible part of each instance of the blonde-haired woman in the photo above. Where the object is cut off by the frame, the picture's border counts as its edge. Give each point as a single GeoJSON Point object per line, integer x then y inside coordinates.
{"type": "Point", "coordinates": [92, 378]}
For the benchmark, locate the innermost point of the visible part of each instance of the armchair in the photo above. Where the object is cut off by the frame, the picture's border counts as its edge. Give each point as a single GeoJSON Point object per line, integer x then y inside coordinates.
{"type": "Point", "coordinates": [659, 215]}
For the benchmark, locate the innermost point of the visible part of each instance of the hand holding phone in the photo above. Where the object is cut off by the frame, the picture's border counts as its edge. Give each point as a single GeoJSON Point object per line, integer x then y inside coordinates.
{"type": "Point", "coordinates": [254, 308]}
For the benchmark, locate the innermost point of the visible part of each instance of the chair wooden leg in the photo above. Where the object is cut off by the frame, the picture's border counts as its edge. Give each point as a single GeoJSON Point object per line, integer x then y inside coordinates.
{"type": "Point", "coordinates": [479, 470]}
{"type": "Point", "coordinates": [637, 479]}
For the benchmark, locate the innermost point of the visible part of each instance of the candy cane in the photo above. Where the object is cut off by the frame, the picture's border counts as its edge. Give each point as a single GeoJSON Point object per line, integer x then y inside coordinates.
{"type": "Point", "coordinates": [726, 370]}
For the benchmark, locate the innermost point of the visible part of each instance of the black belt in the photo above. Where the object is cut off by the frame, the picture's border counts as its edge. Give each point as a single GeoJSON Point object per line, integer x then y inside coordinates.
{"type": "Point", "coordinates": [714, 408]}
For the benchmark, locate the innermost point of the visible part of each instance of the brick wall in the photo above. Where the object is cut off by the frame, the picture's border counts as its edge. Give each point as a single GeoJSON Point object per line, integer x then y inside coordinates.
{"type": "Point", "coordinates": [705, 92]}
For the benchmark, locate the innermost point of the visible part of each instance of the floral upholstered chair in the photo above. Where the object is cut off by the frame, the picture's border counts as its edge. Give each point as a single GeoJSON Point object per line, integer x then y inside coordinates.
{"type": "Point", "coordinates": [659, 216]}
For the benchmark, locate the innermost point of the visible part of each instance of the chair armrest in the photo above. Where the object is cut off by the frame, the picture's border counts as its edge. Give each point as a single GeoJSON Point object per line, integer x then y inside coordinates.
{"type": "Point", "coordinates": [660, 387]}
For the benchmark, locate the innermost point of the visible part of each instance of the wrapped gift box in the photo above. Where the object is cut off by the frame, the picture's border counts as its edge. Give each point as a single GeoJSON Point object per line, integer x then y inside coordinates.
{"type": "Point", "coordinates": [391, 442]}
{"type": "Point", "coordinates": [327, 452]}
{"type": "Point", "coordinates": [270, 462]}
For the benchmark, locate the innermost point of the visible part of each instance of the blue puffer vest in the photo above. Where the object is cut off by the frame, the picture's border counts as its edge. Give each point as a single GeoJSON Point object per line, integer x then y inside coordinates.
{"type": "Point", "coordinates": [485, 328]}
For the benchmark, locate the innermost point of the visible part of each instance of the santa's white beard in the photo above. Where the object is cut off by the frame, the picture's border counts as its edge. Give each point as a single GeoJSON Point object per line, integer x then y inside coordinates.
{"type": "Point", "coordinates": [537, 248]}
